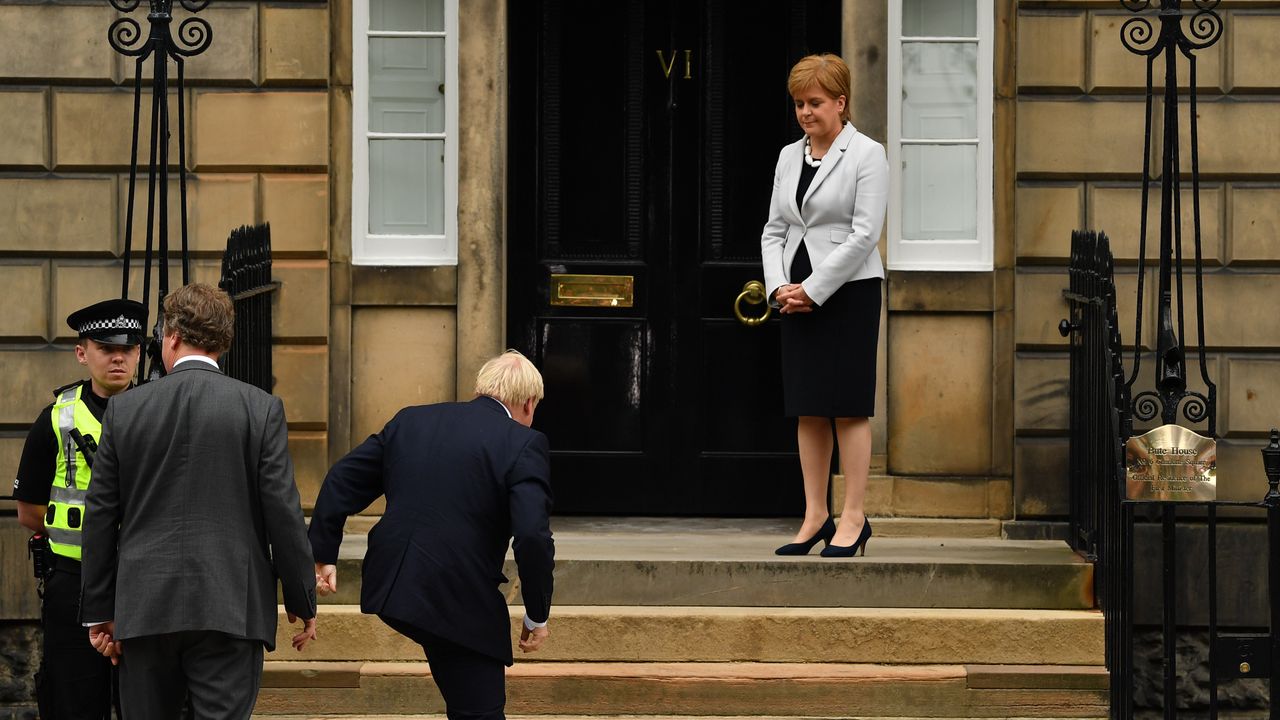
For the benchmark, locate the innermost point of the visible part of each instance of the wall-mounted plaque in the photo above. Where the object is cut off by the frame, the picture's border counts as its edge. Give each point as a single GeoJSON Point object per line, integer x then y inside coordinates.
{"type": "Point", "coordinates": [1171, 464]}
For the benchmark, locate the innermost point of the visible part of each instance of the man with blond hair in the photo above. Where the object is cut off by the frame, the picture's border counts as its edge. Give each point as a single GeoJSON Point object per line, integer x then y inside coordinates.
{"type": "Point", "coordinates": [461, 480]}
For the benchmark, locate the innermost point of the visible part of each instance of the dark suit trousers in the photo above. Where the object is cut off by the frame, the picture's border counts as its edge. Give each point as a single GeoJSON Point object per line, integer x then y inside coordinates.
{"type": "Point", "coordinates": [219, 673]}
{"type": "Point", "coordinates": [75, 678]}
{"type": "Point", "coordinates": [473, 685]}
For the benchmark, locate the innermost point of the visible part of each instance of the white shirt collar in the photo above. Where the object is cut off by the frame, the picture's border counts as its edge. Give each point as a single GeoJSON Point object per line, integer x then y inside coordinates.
{"type": "Point", "coordinates": [201, 358]}
{"type": "Point", "coordinates": [501, 405]}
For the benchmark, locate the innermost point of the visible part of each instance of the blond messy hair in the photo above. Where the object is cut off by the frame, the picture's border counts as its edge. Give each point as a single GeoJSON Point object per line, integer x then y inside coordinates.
{"type": "Point", "coordinates": [826, 71]}
{"type": "Point", "coordinates": [510, 379]}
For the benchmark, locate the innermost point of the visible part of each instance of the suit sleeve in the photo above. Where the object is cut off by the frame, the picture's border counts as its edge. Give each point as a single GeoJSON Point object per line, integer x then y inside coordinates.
{"type": "Point", "coordinates": [529, 493]}
{"type": "Point", "coordinates": [100, 535]}
{"type": "Point", "coordinates": [350, 486]}
{"type": "Point", "coordinates": [869, 204]}
{"type": "Point", "coordinates": [285, 526]}
{"type": "Point", "coordinates": [774, 239]}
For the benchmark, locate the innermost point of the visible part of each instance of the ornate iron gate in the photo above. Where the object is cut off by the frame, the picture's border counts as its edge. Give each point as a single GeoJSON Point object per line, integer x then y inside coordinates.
{"type": "Point", "coordinates": [1105, 404]}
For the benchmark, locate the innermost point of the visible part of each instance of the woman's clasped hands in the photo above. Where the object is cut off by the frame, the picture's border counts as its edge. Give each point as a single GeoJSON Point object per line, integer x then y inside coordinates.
{"type": "Point", "coordinates": [793, 299]}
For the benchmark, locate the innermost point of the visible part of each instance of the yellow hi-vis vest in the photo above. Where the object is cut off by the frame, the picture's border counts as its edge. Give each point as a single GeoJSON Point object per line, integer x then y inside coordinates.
{"type": "Point", "coordinates": [65, 515]}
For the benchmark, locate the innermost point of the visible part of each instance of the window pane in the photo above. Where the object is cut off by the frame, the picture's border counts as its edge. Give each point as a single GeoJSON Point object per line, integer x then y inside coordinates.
{"type": "Point", "coordinates": [940, 90]}
{"type": "Point", "coordinates": [406, 15]}
{"type": "Point", "coordinates": [939, 192]}
{"type": "Point", "coordinates": [406, 84]}
{"type": "Point", "coordinates": [940, 18]}
{"type": "Point", "coordinates": [406, 187]}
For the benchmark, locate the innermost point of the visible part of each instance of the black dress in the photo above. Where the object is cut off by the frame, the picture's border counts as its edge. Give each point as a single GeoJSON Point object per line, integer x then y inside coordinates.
{"type": "Point", "coordinates": [829, 355]}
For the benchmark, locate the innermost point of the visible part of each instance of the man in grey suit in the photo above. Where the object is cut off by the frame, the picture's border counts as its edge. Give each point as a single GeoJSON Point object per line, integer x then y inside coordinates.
{"type": "Point", "coordinates": [191, 517]}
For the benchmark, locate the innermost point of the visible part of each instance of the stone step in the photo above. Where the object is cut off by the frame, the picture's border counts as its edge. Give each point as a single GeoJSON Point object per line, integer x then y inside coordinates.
{"type": "Point", "coordinates": [774, 635]}
{"type": "Point", "coordinates": [896, 527]}
{"type": "Point", "coordinates": [792, 690]}
{"type": "Point", "coordinates": [627, 717]}
{"type": "Point", "coordinates": [703, 562]}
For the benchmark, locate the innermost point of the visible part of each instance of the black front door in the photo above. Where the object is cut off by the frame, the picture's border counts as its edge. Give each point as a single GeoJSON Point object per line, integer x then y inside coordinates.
{"type": "Point", "coordinates": [642, 142]}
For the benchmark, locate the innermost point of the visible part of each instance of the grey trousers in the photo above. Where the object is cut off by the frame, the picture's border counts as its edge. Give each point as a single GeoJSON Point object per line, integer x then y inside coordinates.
{"type": "Point", "coordinates": [219, 673]}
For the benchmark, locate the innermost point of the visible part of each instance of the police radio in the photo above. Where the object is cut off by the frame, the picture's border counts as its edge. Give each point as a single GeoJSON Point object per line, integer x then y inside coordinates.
{"type": "Point", "coordinates": [39, 552]}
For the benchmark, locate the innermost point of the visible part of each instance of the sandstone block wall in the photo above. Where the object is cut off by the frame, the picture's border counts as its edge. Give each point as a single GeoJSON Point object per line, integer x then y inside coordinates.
{"type": "Point", "coordinates": [258, 147]}
{"type": "Point", "coordinates": [1079, 162]}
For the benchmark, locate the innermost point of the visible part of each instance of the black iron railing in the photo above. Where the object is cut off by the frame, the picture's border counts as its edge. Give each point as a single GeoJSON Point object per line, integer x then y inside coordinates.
{"type": "Point", "coordinates": [1101, 526]}
{"type": "Point", "coordinates": [246, 277]}
{"type": "Point", "coordinates": [1104, 523]}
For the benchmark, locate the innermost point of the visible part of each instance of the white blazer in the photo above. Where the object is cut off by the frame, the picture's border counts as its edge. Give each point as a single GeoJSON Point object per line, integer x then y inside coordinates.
{"type": "Point", "coordinates": [841, 219]}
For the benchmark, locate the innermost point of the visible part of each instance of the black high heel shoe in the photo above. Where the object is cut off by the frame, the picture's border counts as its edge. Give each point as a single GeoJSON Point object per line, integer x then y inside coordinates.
{"type": "Point", "coordinates": [825, 533]}
{"type": "Point", "coordinates": [851, 550]}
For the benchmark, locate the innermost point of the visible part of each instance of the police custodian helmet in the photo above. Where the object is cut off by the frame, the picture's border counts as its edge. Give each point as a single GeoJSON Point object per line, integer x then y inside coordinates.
{"type": "Point", "coordinates": [111, 322]}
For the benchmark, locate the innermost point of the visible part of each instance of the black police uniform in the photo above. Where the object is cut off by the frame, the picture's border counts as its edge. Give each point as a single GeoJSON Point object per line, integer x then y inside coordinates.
{"type": "Point", "coordinates": [75, 681]}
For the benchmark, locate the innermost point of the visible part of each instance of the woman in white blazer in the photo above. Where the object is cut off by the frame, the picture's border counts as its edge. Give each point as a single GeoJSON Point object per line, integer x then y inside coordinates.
{"type": "Point", "coordinates": [822, 268]}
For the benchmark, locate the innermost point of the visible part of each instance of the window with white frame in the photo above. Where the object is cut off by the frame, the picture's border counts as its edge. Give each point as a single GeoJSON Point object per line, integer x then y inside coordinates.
{"type": "Point", "coordinates": [404, 194]}
{"type": "Point", "coordinates": [941, 63]}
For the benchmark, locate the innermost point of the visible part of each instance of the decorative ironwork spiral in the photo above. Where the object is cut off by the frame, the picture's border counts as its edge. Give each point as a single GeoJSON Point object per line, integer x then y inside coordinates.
{"type": "Point", "coordinates": [194, 37]}
{"type": "Point", "coordinates": [1195, 407]}
{"type": "Point", "coordinates": [1208, 4]}
{"type": "Point", "coordinates": [194, 6]}
{"type": "Point", "coordinates": [1205, 28]}
{"type": "Point", "coordinates": [125, 36]}
{"type": "Point", "coordinates": [1146, 405]}
{"type": "Point", "coordinates": [125, 6]}
{"type": "Point", "coordinates": [1136, 5]}
{"type": "Point", "coordinates": [1139, 36]}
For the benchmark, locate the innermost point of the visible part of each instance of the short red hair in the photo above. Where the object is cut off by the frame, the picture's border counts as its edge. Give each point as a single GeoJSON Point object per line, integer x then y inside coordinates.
{"type": "Point", "coordinates": [826, 71]}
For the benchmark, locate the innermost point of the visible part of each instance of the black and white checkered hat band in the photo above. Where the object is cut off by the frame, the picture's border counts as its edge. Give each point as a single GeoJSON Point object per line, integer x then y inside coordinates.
{"type": "Point", "coordinates": [118, 323]}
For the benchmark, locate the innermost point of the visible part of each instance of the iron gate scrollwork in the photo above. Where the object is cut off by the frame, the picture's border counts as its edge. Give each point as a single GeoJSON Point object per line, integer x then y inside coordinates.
{"type": "Point", "coordinates": [1105, 403]}
{"type": "Point", "coordinates": [160, 46]}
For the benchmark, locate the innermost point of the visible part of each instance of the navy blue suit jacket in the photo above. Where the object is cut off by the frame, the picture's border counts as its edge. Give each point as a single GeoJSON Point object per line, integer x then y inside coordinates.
{"type": "Point", "coordinates": [461, 479]}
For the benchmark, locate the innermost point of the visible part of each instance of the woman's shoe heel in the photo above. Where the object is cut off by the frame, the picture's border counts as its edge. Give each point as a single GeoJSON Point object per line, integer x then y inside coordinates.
{"type": "Point", "coordinates": [851, 550]}
{"type": "Point", "coordinates": [825, 533]}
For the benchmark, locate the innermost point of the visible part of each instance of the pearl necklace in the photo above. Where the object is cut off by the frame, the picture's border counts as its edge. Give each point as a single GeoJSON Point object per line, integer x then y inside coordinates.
{"type": "Point", "coordinates": [808, 155]}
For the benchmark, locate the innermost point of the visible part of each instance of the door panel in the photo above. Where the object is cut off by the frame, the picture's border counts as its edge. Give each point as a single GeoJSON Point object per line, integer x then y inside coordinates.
{"type": "Point", "coordinates": [643, 138]}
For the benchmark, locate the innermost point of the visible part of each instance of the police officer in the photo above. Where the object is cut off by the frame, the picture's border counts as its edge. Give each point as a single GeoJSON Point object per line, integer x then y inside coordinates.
{"type": "Point", "coordinates": [53, 477]}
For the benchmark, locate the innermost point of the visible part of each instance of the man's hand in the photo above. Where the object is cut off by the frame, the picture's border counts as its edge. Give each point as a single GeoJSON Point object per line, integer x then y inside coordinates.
{"type": "Point", "coordinates": [326, 579]}
{"type": "Point", "coordinates": [308, 631]}
{"type": "Point", "coordinates": [531, 640]}
{"type": "Point", "coordinates": [102, 638]}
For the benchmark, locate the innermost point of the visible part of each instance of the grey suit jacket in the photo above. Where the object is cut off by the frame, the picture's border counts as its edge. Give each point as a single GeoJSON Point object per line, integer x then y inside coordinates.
{"type": "Point", "coordinates": [192, 512]}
